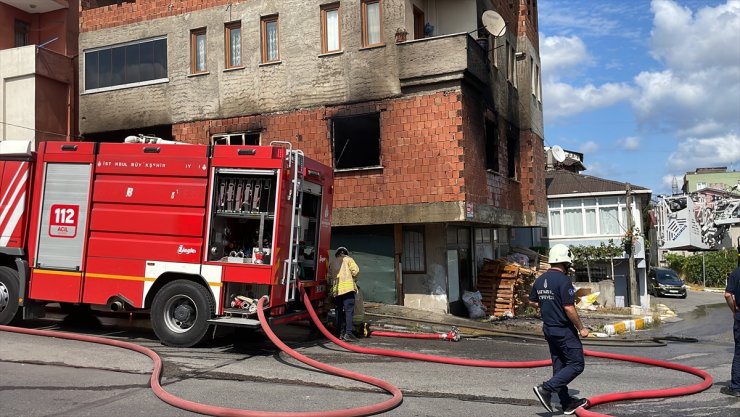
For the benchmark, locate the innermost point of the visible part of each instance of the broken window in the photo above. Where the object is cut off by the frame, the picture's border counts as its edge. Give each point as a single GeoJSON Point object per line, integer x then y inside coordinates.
{"type": "Point", "coordinates": [246, 138]}
{"type": "Point", "coordinates": [512, 147]}
{"type": "Point", "coordinates": [412, 257]}
{"type": "Point", "coordinates": [491, 146]}
{"type": "Point", "coordinates": [356, 141]}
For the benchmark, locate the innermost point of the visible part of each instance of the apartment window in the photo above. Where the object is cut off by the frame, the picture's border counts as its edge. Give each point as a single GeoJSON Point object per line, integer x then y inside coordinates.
{"type": "Point", "coordinates": [356, 141]}
{"type": "Point", "coordinates": [539, 82]}
{"type": "Point", "coordinates": [512, 147]}
{"type": "Point", "coordinates": [331, 24]}
{"type": "Point", "coordinates": [412, 257]}
{"type": "Point", "coordinates": [372, 17]}
{"type": "Point", "coordinates": [245, 138]}
{"type": "Point", "coordinates": [270, 39]}
{"type": "Point", "coordinates": [419, 22]}
{"type": "Point", "coordinates": [533, 77]}
{"type": "Point", "coordinates": [233, 40]}
{"type": "Point", "coordinates": [491, 146]}
{"type": "Point", "coordinates": [22, 30]}
{"type": "Point", "coordinates": [131, 64]}
{"type": "Point", "coordinates": [604, 216]}
{"type": "Point", "coordinates": [198, 51]}
{"type": "Point", "coordinates": [701, 186]}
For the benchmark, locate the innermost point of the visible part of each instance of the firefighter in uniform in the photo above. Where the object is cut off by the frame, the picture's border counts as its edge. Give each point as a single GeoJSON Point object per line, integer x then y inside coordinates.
{"type": "Point", "coordinates": [343, 272]}
{"type": "Point", "coordinates": [732, 296]}
{"type": "Point", "coordinates": [554, 294]}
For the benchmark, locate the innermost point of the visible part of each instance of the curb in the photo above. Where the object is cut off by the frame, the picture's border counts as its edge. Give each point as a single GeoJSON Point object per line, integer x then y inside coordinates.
{"type": "Point", "coordinates": [627, 325]}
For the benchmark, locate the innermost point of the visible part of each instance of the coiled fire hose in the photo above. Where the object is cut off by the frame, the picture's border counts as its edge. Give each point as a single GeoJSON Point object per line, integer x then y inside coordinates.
{"type": "Point", "coordinates": [581, 412]}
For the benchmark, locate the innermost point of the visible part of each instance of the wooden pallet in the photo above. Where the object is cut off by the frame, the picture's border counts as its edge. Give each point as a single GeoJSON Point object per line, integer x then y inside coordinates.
{"type": "Point", "coordinates": [501, 282]}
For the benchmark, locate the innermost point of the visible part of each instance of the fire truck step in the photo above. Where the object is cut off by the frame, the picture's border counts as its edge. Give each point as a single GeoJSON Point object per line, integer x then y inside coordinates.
{"type": "Point", "coordinates": [236, 321]}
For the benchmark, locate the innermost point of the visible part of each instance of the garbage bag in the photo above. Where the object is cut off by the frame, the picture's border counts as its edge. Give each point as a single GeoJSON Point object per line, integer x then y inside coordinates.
{"type": "Point", "coordinates": [474, 303]}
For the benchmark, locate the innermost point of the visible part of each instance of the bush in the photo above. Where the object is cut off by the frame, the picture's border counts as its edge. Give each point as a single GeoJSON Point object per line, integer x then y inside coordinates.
{"type": "Point", "coordinates": [717, 266]}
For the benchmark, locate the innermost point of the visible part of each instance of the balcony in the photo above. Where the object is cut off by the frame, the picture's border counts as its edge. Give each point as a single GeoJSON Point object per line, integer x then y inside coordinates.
{"type": "Point", "coordinates": [37, 6]}
{"type": "Point", "coordinates": [441, 59]}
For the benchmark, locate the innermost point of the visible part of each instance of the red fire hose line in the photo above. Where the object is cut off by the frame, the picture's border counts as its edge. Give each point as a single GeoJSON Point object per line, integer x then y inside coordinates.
{"type": "Point", "coordinates": [173, 400]}
{"type": "Point", "coordinates": [581, 412]}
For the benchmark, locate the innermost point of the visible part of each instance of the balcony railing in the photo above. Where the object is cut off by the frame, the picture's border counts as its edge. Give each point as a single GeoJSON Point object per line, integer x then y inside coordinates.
{"type": "Point", "coordinates": [441, 59]}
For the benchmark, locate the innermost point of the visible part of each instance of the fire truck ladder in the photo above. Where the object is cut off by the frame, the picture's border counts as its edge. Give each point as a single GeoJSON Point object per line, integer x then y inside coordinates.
{"type": "Point", "coordinates": [291, 267]}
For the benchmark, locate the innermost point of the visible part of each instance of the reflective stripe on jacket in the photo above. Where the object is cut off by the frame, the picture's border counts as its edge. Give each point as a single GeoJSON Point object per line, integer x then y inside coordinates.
{"type": "Point", "coordinates": [343, 273]}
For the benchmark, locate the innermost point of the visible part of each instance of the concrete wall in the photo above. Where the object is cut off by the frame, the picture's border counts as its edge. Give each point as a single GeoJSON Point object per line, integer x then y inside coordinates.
{"type": "Point", "coordinates": [302, 79]}
{"type": "Point", "coordinates": [17, 93]}
{"type": "Point", "coordinates": [428, 291]}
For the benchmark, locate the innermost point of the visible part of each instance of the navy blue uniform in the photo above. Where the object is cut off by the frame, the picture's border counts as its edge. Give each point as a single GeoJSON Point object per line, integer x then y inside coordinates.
{"type": "Point", "coordinates": [733, 287]}
{"type": "Point", "coordinates": [553, 290]}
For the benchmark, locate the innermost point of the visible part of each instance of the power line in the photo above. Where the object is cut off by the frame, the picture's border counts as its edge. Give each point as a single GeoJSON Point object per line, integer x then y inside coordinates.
{"type": "Point", "coordinates": [42, 131]}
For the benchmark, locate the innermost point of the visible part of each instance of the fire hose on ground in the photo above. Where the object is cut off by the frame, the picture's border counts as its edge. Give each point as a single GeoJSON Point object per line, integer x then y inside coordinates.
{"type": "Point", "coordinates": [581, 412]}
{"type": "Point", "coordinates": [394, 391]}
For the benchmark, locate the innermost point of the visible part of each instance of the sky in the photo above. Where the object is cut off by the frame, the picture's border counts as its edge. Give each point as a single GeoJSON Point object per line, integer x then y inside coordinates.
{"type": "Point", "coordinates": [647, 90]}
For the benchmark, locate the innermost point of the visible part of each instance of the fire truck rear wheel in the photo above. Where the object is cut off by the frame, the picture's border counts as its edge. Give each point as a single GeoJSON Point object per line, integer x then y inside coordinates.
{"type": "Point", "coordinates": [180, 313]}
{"type": "Point", "coordinates": [9, 293]}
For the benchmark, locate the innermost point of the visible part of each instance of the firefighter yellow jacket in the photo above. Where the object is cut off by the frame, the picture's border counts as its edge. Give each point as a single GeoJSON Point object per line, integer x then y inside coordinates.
{"type": "Point", "coordinates": [343, 273]}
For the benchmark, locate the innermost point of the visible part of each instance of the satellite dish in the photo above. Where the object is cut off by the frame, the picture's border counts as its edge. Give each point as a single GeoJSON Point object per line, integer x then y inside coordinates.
{"type": "Point", "coordinates": [494, 23]}
{"type": "Point", "coordinates": [558, 153]}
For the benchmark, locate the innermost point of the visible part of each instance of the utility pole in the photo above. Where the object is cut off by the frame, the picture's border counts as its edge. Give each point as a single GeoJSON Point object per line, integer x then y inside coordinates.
{"type": "Point", "coordinates": [634, 289]}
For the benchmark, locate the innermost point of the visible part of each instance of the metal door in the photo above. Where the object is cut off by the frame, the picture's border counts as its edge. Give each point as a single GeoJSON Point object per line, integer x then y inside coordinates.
{"type": "Point", "coordinates": [64, 216]}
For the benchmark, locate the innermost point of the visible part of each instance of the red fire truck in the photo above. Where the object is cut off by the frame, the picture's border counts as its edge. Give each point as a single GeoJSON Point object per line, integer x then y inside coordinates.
{"type": "Point", "coordinates": [195, 234]}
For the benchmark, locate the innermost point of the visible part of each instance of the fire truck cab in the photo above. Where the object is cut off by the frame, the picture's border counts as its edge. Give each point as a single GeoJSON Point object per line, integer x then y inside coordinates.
{"type": "Point", "coordinates": [195, 234]}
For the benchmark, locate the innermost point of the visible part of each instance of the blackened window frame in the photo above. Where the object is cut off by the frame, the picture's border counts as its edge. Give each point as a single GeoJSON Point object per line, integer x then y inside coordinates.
{"type": "Point", "coordinates": [492, 146]}
{"type": "Point", "coordinates": [21, 29]}
{"type": "Point", "coordinates": [124, 78]}
{"type": "Point", "coordinates": [347, 127]}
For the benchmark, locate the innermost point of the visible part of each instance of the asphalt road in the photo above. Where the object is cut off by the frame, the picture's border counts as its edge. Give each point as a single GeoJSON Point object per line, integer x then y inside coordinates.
{"type": "Point", "coordinates": [53, 377]}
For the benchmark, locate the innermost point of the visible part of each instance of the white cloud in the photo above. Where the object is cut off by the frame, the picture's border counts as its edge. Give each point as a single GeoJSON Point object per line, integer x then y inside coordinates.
{"type": "Point", "coordinates": [707, 152]}
{"type": "Point", "coordinates": [696, 95]}
{"type": "Point", "coordinates": [563, 99]}
{"type": "Point", "coordinates": [630, 143]}
{"type": "Point", "coordinates": [589, 147]}
{"type": "Point", "coordinates": [565, 56]}
{"type": "Point", "coordinates": [559, 53]}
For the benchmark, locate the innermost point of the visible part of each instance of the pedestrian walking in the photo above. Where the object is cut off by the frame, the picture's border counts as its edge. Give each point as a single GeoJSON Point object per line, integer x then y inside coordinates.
{"type": "Point", "coordinates": [732, 296]}
{"type": "Point", "coordinates": [553, 293]}
{"type": "Point", "coordinates": [343, 272]}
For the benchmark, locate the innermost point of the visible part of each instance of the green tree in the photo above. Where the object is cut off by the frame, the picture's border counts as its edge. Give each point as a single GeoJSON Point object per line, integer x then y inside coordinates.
{"type": "Point", "coordinates": [717, 265]}
{"type": "Point", "coordinates": [586, 255]}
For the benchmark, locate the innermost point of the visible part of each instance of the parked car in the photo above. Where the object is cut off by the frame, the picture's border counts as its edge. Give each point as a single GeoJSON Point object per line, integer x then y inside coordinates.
{"type": "Point", "coordinates": [664, 281]}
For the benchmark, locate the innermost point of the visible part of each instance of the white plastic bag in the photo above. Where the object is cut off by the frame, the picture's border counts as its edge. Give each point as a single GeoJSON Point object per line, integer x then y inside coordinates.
{"type": "Point", "coordinates": [474, 302]}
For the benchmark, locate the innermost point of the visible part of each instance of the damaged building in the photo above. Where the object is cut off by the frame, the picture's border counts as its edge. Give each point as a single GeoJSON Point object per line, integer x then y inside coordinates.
{"type": "Point", "coordinates": [434, 127]}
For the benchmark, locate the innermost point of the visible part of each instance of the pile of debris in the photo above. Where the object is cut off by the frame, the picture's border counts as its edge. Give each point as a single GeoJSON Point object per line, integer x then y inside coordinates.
{"type": "Point", "coordinates": [505, 285]}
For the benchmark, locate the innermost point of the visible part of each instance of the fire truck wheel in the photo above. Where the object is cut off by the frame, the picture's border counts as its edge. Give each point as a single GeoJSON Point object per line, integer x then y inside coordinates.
{"type": "Point", "coordinates": [180, 313]}
{"type": "Point", "coordinates": [8, 295]}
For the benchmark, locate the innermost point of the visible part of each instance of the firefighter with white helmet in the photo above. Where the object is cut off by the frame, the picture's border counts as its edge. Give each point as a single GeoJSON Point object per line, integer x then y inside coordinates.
{"type": "Point", "coordinates": [553, 293]}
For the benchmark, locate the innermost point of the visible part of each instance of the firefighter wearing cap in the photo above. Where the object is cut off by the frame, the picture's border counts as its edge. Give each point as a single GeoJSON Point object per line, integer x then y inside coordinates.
{"type": "Point", "coordinates": [554, 294]}
{"type": "Point", "coordinates": [343, 272]}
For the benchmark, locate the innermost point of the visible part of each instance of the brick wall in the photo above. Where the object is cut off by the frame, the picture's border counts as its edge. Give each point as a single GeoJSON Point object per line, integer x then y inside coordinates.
{"type": "Point", "coordinates": [102, 14]}
{"type": "Point", "coordinates": [421, 149]}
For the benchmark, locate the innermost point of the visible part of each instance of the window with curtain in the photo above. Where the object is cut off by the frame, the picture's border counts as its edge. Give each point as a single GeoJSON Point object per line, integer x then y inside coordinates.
{"type": "Point", "coordinates": [22, 29]}
{"type": "Point", "coordinates": [233, 45]}
{"type": "Point", "coordinates": [330, 28]}
{"type": "Point", "coordinates": [198, 51]}
{"type": "Point", "coordinates": [587, 217]}
{"type": "Point", "coordinates": [270, 51]}
{"type": "Point", "coordinates": [371, 22]}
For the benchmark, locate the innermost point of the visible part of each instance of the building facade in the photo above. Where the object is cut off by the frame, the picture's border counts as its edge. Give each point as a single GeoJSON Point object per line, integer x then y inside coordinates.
{"type": "Point", "coordinates": [718, 178]}
{"type": "Point", "coordinates": [38, 78]}
{"type": "Point", "coordinates": [434, 128]}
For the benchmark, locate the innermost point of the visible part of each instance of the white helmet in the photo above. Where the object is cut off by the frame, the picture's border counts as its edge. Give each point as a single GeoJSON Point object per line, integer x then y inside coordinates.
{"type": "Point", "coordinates": [560, 254]}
